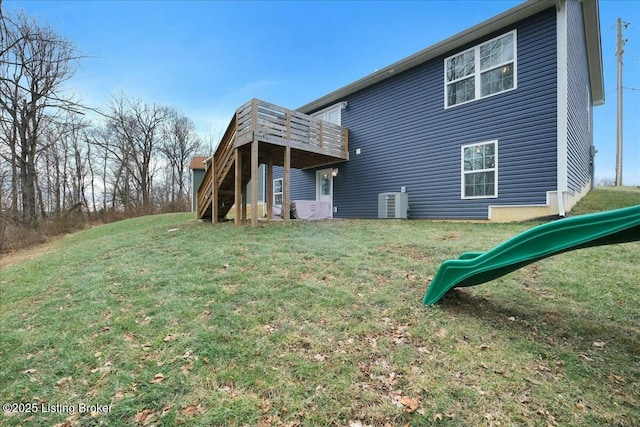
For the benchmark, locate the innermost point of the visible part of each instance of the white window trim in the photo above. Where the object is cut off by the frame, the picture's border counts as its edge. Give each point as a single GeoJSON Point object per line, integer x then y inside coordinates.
{"type": "Point", "coordinates": [463, 172]}
{"type": "Point", "coordinates": [477, 73]}
{"type": "Point", "coordinates": [274, 189]}
{"type": "Point", "coordinates": [335, 107]}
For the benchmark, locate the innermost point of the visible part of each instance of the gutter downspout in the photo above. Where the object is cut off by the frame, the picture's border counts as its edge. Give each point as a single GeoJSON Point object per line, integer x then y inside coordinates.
{"type": "Point", "coordinates": [562, 103]}
{"type": "Point", "coordinates": [593, 152]}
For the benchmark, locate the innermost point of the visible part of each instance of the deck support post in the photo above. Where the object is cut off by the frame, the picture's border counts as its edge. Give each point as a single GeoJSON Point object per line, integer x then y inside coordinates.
{"type": "Point", "coordinates": [214, 191]}
{"type": "Point", "coordinates": [244, 203]}
{"type": "Point", "coordinates": [286, 194]}
{"type": "Point", "coordinates": [254, 183]}
{"type": "Point", "coordinates": [238, 187]}
{"type": "Point", "coordinates": [269, 185]}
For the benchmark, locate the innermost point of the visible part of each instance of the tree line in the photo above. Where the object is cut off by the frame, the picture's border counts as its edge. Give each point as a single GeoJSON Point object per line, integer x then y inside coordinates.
{"type": "Point", "coordinates": [132, 159]}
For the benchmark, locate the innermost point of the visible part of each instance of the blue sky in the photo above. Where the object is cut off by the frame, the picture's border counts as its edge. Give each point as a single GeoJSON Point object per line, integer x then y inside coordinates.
{"type": "Point", "coordinates": [206, 58]}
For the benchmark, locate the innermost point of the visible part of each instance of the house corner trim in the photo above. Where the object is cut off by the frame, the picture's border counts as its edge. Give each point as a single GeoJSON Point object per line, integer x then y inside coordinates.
{"type": "Point", "coordinates": [562, 103]}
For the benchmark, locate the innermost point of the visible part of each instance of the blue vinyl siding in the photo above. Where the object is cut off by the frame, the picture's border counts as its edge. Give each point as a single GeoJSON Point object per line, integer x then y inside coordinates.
{"type": "Point", "coordinates": [579, 130]}
{"type": "Point", "coordinates": [197, 175]}
{"type": "Point", "coordinates": [303, 183]}
{"type": "Point", "coordinates": [409, 139]}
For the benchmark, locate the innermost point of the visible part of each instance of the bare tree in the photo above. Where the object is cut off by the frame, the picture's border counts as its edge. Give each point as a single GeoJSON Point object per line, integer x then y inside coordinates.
{"type": "Point", "coordinates": [63, 159]}
{"type": "Point", "coordinates": [137, 127]}
{"type": "Point", "coordinates": [4, 211]}
{"type": "Point", "coordinates": [179, 145]}
{"type": "Point", "coordinates": [110, 157]}
{"type": "Point", "coordinates": [34, 64]}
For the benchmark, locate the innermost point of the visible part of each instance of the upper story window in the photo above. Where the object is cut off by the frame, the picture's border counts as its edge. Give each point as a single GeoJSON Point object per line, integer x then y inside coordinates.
{"type": "Point", "coordinates": [484, 70]}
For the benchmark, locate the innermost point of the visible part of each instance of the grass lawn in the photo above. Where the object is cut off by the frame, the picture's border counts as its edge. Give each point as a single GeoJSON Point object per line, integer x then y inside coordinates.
{"type": "Point", "coordinates": [163, 320]}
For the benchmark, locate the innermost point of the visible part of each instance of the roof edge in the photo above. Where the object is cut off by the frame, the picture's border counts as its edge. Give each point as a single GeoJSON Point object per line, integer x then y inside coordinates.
{"type": "Point", "coordinates": [198, 163]}
{"type": "Point", "coordinates": [508, 17]}
{"type": "Point", "coordinates": [591, 19]}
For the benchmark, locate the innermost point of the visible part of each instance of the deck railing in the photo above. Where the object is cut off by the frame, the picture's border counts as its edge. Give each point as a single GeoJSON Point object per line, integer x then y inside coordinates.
{"type": "Point", "coordinates": [271, 123]}
{"type": "Point", "coordinates": [224, 153]}
{"type": "Point", "coordinates": [266, 122]}
{"type": "Point", "coordinates": [205, 193]}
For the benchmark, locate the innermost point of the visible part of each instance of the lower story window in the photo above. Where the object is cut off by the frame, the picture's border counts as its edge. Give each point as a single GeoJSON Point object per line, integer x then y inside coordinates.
{"type": "Point", "coordinates": [277, 191]}
{"type": "Point", "coordinates": [480, 170]}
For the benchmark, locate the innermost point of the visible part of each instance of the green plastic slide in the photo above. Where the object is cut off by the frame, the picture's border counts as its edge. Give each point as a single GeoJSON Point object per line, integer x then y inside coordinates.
{"type": "Point", "coordinates": [568, 234]}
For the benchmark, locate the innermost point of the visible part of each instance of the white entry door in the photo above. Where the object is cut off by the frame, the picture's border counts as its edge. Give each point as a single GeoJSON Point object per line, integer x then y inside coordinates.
{"type": "Point", "coordinates": [324, 187]}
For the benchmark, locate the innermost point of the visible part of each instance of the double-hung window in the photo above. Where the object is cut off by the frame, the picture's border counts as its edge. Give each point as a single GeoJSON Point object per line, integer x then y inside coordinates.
{"type": "Point", "coordinates": [480, 170]}
{"type": "Point", "coordinates": [484, 70]}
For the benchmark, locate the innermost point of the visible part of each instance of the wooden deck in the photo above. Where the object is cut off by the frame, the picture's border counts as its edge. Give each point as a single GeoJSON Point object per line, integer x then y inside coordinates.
{"type": "Point", "coordinates": [264, 133]}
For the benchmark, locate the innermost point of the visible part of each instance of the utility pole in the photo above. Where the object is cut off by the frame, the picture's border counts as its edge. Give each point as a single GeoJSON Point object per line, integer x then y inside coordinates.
{"type": "Point", "coordinates": [619, 51]}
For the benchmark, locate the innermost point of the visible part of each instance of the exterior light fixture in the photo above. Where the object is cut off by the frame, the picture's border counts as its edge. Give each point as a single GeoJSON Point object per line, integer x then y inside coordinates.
{"type": "Point", "coordinates": [334, 172]}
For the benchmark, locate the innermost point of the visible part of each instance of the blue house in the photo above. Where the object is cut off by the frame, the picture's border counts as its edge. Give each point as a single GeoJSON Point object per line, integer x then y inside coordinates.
{"type": "Point", "coordinates": [492, 123]}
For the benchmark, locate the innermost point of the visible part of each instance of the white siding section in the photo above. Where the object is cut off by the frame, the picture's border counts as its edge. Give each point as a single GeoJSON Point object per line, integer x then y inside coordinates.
{"type": "Point", "coordinates": [562, 60]}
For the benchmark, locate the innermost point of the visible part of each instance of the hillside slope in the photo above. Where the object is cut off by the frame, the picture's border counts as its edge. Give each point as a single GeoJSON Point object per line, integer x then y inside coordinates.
{"type": "Point", "coordinates": [607, 198]}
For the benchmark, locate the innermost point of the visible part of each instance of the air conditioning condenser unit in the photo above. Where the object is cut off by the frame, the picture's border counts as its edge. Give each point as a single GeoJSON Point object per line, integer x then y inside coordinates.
{"type": "Point", "coordinates": [393, 205]}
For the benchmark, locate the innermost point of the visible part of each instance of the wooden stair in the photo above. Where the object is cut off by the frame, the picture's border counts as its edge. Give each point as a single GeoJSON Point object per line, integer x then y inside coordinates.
{"type": "Point", "coordinates": [224, 162]}
{"type": "Point", "coordinates": [270, 133]}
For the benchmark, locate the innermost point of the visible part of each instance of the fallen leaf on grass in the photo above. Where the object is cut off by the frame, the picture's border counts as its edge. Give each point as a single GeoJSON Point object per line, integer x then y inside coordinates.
{"type": "Point", "coordinates": [617, 378]}
{"type": "Point", "coordinates": [144, 417]}
{"type": "Point", "coordinates": [63, 381]}
{"type": "Point", "coordinates": [504, 374]}
{"type": "Point", "coordinates": [265, 406]}
{"type": "Point", "coordinates": [410, 404]}
{"type": "Point", "coordinates": [101, 369]}
{"type": "Point", "coordinates": [32, 355]}
{"type": "Point", "coordinates": [269, 328]}
{"type": "Point", "coordinates": [118, 396]}
{"type": "Point", "coordinates": [548, 416]}
{"type": "Point", "coordinates": [158, 378]}
{"type": "Point", "coordinates": [30, 371]}
{"type": "Point", "coordinates": [192, 410]}
{"type": "Point", "coordinates": [170, 337]}
{"type": "Point", "coordinates": [598, 344]}
{"type": "Point", "coordinates": [441, 333]}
